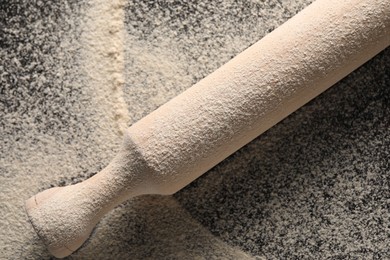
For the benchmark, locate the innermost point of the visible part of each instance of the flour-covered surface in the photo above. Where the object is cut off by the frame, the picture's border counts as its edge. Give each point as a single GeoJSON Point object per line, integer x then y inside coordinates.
{"type": "Point", "coordinates": [73, 75]}
{"type": "Point", "coordinates": [52, 127]}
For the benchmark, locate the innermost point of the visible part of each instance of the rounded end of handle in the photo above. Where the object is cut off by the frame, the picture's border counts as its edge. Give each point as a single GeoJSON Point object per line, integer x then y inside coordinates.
{"type": "Point", "coordinates": [60, 227]}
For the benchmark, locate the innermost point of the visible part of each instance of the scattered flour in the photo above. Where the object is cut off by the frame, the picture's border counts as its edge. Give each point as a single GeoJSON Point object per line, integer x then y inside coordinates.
{"type": "Point", "coordinates": [63, 116]}
{"type": "Point", "coordinates": [103, 59]}
{"type": "Point", "coordinates": [57, 120]}
{"type": "Point", "coordinates": [62, 113]}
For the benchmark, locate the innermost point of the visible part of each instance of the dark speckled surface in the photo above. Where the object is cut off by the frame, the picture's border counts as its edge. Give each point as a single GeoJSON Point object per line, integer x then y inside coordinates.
{"type": "Point", "coordinates": [315, 186]}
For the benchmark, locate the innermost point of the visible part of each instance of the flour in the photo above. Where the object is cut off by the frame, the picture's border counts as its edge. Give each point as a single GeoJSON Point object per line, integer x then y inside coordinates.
{"type": "Point", "coordinates": [63, 113]}
{"type": "Point", "coordinates": [103, 60]}
{"type": "Point", "coordinates": [52, 125]}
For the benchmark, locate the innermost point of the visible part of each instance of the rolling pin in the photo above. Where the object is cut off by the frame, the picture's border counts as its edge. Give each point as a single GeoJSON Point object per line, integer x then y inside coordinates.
{"type": "Point", "coordinates": [185, 137]}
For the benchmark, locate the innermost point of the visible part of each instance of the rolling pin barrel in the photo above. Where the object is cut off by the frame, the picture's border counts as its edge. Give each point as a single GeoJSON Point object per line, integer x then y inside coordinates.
{"type": "Point", "coordinates": [258, 88]}
{"type": "Point", "coordinates": [188, 135]}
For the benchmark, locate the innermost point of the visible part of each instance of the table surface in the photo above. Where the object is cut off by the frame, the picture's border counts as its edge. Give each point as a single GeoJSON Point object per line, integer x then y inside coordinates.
{"type": "Point", "coordinates": [315, 186]}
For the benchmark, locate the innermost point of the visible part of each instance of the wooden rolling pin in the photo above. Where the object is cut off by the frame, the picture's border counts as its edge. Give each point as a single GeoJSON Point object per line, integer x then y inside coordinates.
{"type": "Point", "coordinates": [185, 137]}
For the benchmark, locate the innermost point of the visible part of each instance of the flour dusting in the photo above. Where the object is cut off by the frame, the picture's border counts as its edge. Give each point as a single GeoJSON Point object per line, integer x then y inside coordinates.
{"type": "Point", "coordinates": [103, 42]}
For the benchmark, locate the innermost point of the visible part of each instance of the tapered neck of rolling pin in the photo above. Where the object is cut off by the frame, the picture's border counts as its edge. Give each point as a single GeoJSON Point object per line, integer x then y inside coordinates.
{"type": "Point", "coordinates": [126, 176]}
